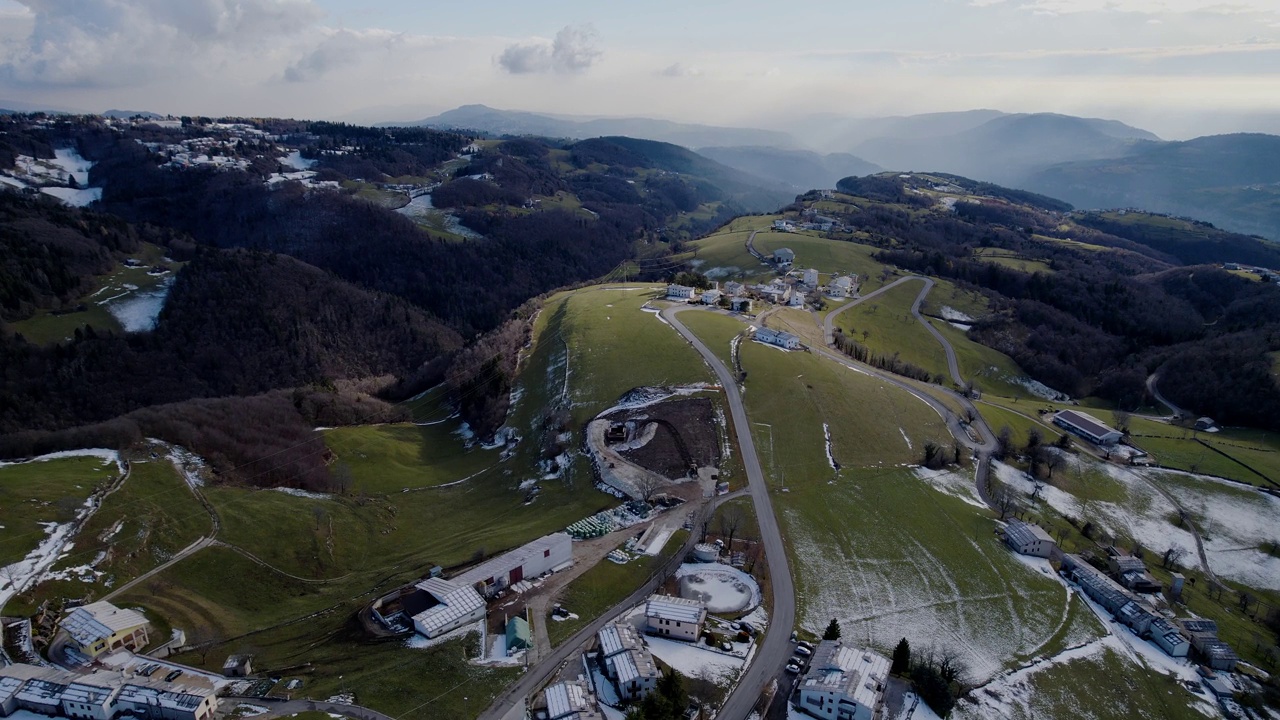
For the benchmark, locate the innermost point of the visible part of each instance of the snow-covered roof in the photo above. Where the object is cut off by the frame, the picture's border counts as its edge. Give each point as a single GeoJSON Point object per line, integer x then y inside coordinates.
{"type": "Point", "coordinates": [857, 673]}
{"type": "Point", "coordinates": [42, 692]}
{"type": "Point", "coordinates": [504, 563]}
{"type": "Point", "coordinates": [96, 621]}
{"type": "Point", "coordinates": [570, 699]}
{"type": "Point", "coordinates": [79, 692]}
{"type": "Point", "coordinates": [455, 603]}
{"type": "Point", "coordinates": [677, 609]}
{"type": "Point", "coordinates": [618, 637]}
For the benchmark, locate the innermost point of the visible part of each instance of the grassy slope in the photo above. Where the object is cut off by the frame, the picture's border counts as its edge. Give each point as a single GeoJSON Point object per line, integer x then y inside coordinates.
{"type": "Point", "coordinates": [716, 330]}
{"type": "Point", "coordinates": [892, 329]}
{"type": "Point", "coordinates": [41, 492]}
{"type": "Point", "coordinates": [139, 526]}
{"type": "Point", "coordinates": [989, 369]}
{"type": "Point", "coordinates": [387, 458]}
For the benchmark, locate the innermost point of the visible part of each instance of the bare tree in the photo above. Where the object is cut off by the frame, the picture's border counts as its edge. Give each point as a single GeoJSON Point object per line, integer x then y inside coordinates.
{"type": "Point", "coordinates": [1054, 461]}
{"type": "Point", "coordinates": [729, 520]}
{"type": "Point", "coordinates": [1121, 418]}
{"type": "Point", "coordinates": [1004, 443]}
{"type": "Point", "coordinates": [341, 478]}
{"type": "Point", "coordinates": [648, 485]}
{"type": "Point", "coordinates": [1173, 556]}
{"type": "Point", "coordinates": [1006, 501]}
{"type": "Point", "coordinates": [1246, 600]}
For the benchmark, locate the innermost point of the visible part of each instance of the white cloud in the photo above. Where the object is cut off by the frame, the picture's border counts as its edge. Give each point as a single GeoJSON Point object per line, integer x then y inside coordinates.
{"type": "Point", "coordinates": [1145, 7]}
{"type": "Point", "coordinates": [128, 42]}
{"type": "Point", "coordinates": [680, 70]}
{"type": "Point", "coordinates": [573, 51]}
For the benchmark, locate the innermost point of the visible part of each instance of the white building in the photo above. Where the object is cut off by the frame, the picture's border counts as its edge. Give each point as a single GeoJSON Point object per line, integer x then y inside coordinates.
{"type": "Point", "coordinates": [674, 617]}
{"type": "Point", "coordinates": [101, 627]}
{"type": "Point", "coordinates": [774, 292]}
{"type": "Point", "coordinates": [811, 278]}
{"type": "Point", "coordinates": [1087, 426]}
{"type": "Point", "coordinates": [680, 292]}
{"type": "Point", "coordinates": [627, 662]}
{"type": "Point", "coordinates": [734, 289]}
{"type": "Point", "coordinates": [784, 257]}
{"type": "Point", "coordinates": [1028, 539]}
{"type": "Point", "coordinates": [571, 700]}
{"type": "Point", "coordinates": [711, 297]}
{"type": "Point", "coordinates": [843, 683]}
{"type": "Point", "coordinates": [777, 337]}
{"type": "Point", "coordinates": [840, 287]}
{"type": "Point", "coordinates": [740, 304]}
{"type": "Point", "coordinates": [796, 299]}
{"type": "Point", "coordinates": [1173, 642]}
{"type": "Point", "coordinates": [452, 606]}
{"type": "Point", "coordinates": [104, 695]}
{"type": "Point", "coordinates": [542, 556]}
{"type": "Point", "coordinates": [783, 226]}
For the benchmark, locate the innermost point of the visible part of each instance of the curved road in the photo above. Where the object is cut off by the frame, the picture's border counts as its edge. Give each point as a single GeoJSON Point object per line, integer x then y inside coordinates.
{"type": "Point", "coordinates": [776, 646]}
{"type": "Point", "coordinates": [1154, 378]}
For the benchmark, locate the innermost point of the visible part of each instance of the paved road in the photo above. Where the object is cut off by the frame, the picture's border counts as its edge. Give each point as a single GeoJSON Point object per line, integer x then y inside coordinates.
{"type": "Point", "coordinates": [828, 325]}
{"type": "Point", "coordinates": [751, 246]}
{"type": "Point", "coordinates": [774, 650]}
{"type": "Point", "coordinates": [1152, 388]}
{"type": "Point", "coordinates": [952, 365]}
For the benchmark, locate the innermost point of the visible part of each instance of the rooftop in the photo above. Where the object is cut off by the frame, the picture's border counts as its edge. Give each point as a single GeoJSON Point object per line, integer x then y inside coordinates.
{"type": "Point", "coordinates": [617, 637]}
{"type": "Point", "coordinates": [677, 609]}
{"type": "Point", "coordinates": [1020, 532]}
{"type": "Point", "coordinates": [859, 674]}
{"type": "Point", "coordinates": [1086, 422]}
{"type": "Point", "coordinates": [570, 699]}
{"type": "Point", "coordinates": [502, 564]}
{"type": "Point", "coordinates": [93, 622]}
{"type": "Point", "coordinates": [456, 602]}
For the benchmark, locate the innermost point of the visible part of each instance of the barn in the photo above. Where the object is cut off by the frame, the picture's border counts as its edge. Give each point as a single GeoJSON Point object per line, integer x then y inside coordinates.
{"type": "Point", "coordinates": [524, 563]}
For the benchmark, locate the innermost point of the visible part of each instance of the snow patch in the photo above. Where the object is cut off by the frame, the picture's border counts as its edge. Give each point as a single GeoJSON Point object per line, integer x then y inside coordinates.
{"type": "Point", "coordinates": [140, 311]}
{"type": "Point", "coordinates": [826, 434]}
{"type": "Point", "coordinates": [956, 483]}
{"type": "Point", "coordinates": [76, 197]}
{"type": "Point", "coordinates": [907, 439]}
{"type": "Point", "coordinates": [951, 314]}
{"type": "Point", "coordinates": [696, 661]}
{"type": "Point", "coordinates": [303, 493]}
{"type": "Point", "coordinates": [659, 540]}
{"type": "Point", "coordinates": [724, 589]}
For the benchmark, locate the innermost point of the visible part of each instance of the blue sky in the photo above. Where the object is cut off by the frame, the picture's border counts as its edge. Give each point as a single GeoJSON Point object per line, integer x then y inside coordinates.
{"type": "Point", "coordinates": [1178, 67]}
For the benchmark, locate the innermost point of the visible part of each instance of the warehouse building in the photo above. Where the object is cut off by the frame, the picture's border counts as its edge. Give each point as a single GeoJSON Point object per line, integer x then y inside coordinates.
{"type": "Point", "coordinates": [542, 556]}
{"type": "Point", "coordinates": [1087, 426]}
{"type": "Point", "coordinates": [449, 607]}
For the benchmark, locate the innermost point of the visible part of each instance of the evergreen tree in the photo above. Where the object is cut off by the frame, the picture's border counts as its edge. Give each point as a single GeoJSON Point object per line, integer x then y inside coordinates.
{"type": "Point", "coordinates": [833, 630]}
{"type": "Point", "coordinates": [901, 657]}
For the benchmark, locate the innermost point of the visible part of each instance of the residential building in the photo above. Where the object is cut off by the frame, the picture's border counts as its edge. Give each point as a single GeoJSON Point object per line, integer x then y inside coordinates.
{"type": "Point", "coordinates": [777, 337]}
{"type": "Point", "coordinates": [740, 304]}
{"type": "Point", "coordinates": [103, 695]}
{"type": "Point", "coordinates": [1087, 426]}
{"type": "Point", "coordinates": [450, 605]}
{"type": "Point", "coordinates": [840, 287]}
{"type": "Point", "coordinates": [774, 292]}
{"type": "Point", "coordinates": [571, 700]}
{"type": "Point", "coordinates": [843, 683]}
{"type": "Point", "coordinates": [627, 662]}
{"type": "Point", "coordinates": [796, 299]}
{"type": "Point", "coordinates": [680, 292]}
{"type": "Point", "coordinates": [1205, 423]}
{"type": "Point", "coordinates": [1173, 642]}
{"type": "Point", "coordinates": [711, 297]}
{"type": "Point", "coordinates": [542, 556]}
{"type": "Point", "coordinates": [811, 278]}
{"type": "Point", "coordinates": [734, 289]}
{"type": "Point", "coordinates": [1028, 539]}
{"type": "Point", "coordinates": [674, 617]}
{"type": "Point", "coordinates": [783, 226]}
{"type": "Point", "coordinates": [783, 257]}
{"type": "Point", "coordinates": [101, 627]}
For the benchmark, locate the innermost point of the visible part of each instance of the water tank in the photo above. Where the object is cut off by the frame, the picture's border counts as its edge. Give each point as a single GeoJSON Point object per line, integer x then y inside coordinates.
{"type": "Point", "coordinates": [706, 552]}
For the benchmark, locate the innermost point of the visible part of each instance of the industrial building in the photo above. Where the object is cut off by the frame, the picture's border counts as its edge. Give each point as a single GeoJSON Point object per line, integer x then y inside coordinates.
{"type": "Point", "coordinates": [1170, 640]}
{"type": "Point", "coordinates": [674, 617]}
{"type": "Point", "coordinates": [1087, 426]}
{"type": "Point", "coordinates": [571, 700]}
{"type": "Point", "coordinates": [104, 695]}
{"type": "Point", "coordinates": [450, 605]}
{"type": "Point", "coordinates": [843, 683]}
{"type": "Point", "coordinates": [527, 562]}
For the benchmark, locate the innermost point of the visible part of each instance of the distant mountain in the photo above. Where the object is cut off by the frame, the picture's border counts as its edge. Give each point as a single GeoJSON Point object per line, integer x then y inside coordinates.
{"type": "Point", "coordinates": [514, 122]}
{"type": "Point", "coordinates": [1008, 148]}
{"type": "Point", "coordinates": [801, 169]}
{"type": "Point", "coordinates": [128, 114]}
{"type": "Point", "coordinates": [1232, 181]}
{"type": "Point", "coordinates": [754, 193]}
{"type": "Point", "coordinates": [10, 107]}
{"type": "Point", "coordinates": [836, 132]}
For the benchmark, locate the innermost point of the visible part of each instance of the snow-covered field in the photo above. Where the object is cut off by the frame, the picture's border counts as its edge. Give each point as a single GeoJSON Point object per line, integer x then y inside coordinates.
{"type": "Point", "coordinates": [890, 557]}
{"type": "Point", "coordinates": [76, 197]}
{"type": "Point", "coordinates": [1234, 521]}
{"type": "Point", "coordinates": [138, 311]}
{"type": "Point", "coordinates": [696, 661]}
{"type": "Point", "coordinates": [725, 589]}
{"type": "Point", "coordinates": [1142, 513]}
{"type": "Point", "coordinates": [956, 483]}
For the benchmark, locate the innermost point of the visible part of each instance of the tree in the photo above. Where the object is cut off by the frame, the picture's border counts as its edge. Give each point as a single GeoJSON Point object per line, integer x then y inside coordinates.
{"type": "Point", "coordinates": [1063, 442]}
{"type": "Point", "coordinates": [833, 630]}
{"type": "Point", "coordinates": [667, 702]}
{"type": "Point", "coordinates": [1121, 418]}
{"type": "Point", "coordinates": [932, 689]}
{"type": "Point", "coordinates": [933, 457]}
{"type": "Point", "coordinates": [730, 519]}
{"type": "Point", "coordinates": [901, 658]}
{"type": "Point", "coordinates": [1004, 443]}
{"type": "Point", "coordinates": [1055, 461]}
{"type": "Point", "coordinates": [1172, 556]}
{"type": "Point", "coordinates": [649, 484]}
{"type": "Point", "coordinates": [1005, 500]}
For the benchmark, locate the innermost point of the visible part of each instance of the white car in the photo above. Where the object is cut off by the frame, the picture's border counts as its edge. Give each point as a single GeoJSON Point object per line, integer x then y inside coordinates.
{"type": "Point", "coordinates": [802, 650]}
{"type": "Point", "coordinates": [792, 668]}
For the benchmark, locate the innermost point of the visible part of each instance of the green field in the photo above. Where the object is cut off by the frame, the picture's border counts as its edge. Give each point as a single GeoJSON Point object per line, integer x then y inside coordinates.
{"type": "Point", "coordinates": [47, 327]}
{"type": "Point", "coordinates": [139, 526]}
{"type": "Point", "coordinates": [945, 293]}
{"type": "Point", "coordinates": [49, 491]}
{"type": "Point", "coordinates": [828, 256]}
{"type": "Point", "coordinates": [989, 369]}
{"type": "Point", "coordinates": [1011, 260]}
{"type": "Point", "coordinates": [725, 255]}
{"type": "Point", "coordinates": [390, 458]}
{"type": "Point", "coordinates": [1018, 420]}
{"type": "Point", "coordinates": [606, 585]}
{"type": "Point", "coordinates": [886, 326]}
{"type": "Point", "coordinates": [716, 330]}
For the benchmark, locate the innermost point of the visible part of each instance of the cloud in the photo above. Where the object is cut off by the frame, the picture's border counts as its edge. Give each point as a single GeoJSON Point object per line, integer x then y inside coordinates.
{"type": "Point", "coordinates": [125, 42]}
{"type": "Point", "coordinates": [573, 51]}
{"type": "Point", "coordinates": [1145, 7]}
{"type": "Point", "coordinates": [676, 70]}
{"type": "Point", "coordinates": [342, 48]}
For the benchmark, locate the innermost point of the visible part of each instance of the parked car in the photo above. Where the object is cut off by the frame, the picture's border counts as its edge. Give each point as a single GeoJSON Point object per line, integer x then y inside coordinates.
{"type": "Point", "coordinates": [792, 668]}
{"type": "Point", "coordinates": [802, 650]}
{"type": "Point", "coordinates": [798, 660]}
{"type": "Point", "coordinates": [805, 644]}
{"type": "Point", "coordinates": [748, 627]}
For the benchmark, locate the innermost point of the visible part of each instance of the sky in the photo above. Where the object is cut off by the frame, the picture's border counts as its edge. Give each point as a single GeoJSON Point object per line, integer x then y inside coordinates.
{"type": "Point", "coordinates": [1176, 67]}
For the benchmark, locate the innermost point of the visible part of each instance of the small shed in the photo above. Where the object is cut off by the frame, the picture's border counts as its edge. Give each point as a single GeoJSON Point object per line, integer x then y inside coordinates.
{"type": "Point", "coordinates": [238, 666]}
{"type": "Point", "coordinates": [1205, 423]}
{"type": "Point", "coordinates": [518, 635]}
